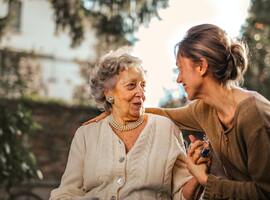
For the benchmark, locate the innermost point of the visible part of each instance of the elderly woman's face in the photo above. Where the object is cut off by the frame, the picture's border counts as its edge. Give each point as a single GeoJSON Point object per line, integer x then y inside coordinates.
{"type": "Point", "coordinates": [128, 93]}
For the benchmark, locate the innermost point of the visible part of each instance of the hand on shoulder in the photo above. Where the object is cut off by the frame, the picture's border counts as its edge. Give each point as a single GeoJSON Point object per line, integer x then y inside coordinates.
{"type": "Point", "coordinates": [97, 118]}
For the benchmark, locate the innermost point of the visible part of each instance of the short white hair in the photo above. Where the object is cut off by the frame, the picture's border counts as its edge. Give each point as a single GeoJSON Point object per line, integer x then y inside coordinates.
{"type": "Point", "coordinates": [106, 70]}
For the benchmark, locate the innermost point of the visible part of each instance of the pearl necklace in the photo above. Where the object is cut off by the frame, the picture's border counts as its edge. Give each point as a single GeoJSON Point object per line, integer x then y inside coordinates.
{"type": "Point", "coordinates": [129, 126]}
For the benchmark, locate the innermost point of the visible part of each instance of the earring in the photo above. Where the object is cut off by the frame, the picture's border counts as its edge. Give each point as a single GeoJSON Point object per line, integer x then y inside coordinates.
{"type": "Point", "coordinates": [110, 100]}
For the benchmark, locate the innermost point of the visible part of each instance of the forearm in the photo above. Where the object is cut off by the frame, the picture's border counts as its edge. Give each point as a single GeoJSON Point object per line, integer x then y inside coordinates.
{"type": "Point", "coordinates": [157, 111]}
{"type": "Point", "coordinates": [183, 117]}
{"type": "Point", "coordinates": [190, 189]}
{"type": "Point", "coordinates": [66, 193]}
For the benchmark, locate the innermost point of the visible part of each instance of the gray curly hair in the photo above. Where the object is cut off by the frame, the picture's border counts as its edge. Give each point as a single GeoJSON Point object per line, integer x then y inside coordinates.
{"type": "Point", "coordinates": [104, 75]}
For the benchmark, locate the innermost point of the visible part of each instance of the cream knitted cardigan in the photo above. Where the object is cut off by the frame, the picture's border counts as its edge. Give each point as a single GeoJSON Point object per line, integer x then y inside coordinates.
{"type": "Point", "coordinates": [99, 168]}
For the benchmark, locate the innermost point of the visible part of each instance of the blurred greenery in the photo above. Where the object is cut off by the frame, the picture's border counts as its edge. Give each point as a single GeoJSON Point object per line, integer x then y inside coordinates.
{"type": "Point", "coordinates": [256, 32]}
{"type": "Point", "coordinates": [17, 163]}
{"type": "Point", "coordinates": [115, 19]}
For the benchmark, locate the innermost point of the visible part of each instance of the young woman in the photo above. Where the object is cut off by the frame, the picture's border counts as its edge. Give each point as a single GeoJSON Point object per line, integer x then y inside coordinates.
{"type": "Point", "coordinates": [235, 120]}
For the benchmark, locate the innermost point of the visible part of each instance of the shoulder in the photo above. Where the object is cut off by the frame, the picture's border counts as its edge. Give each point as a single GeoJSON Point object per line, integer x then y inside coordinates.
{"type": "Point", "coordinates": [201, 110]}
{"type": "Point", "coordinates": [261, 108]}
{"type": "Point", "coordinates": [160, 121]}
{"type": "Point", "coordinates": [254, 111]}
{"type": "Point", "coordinates": [92, 130]}
{"type": "Point", "coordinates": [164, 126]}
{"type": "Point", "coordinates": [254, 118]}
{"type": "Point", "coordinates": [198, 106]}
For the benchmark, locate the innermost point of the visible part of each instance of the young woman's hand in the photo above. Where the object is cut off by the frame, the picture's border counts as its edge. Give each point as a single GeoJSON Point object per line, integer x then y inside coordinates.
{"type": "Point", "coordinates": [97, 118]}
{"type": "Point", "coordinates": [199, 151]}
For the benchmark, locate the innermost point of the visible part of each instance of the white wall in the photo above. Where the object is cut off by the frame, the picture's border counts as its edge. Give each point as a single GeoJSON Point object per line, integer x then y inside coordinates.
{"type": "Point", "coordinates": [38, 34]}
{"type": "Point", "coordinates": [66, 75]}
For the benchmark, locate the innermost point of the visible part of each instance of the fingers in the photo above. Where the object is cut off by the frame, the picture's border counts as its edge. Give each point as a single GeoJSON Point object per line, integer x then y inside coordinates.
{"type": "Point", "coordinates": [193, 146]}
{"type": "Point", "coordinates": [182, 158]}
{"type": "Point", "coordinates": [203, 160]}
{"type": "Point", "coordinates": [88, 122]}
{"type": "Point", "coordinates": [206, 145]}
{"type": "Point", "coordinates": [190, 164]}
{"type": "Point", "coordinates": [97, 118]}
{"type": "Point", "coordinates": [192, 138]}
{"type": "Point", "coordinates": [198, 171]}
{"type": "Point", "coordinates": [197, 154]}
{"type": "Point", "coordinates": [102, 116]}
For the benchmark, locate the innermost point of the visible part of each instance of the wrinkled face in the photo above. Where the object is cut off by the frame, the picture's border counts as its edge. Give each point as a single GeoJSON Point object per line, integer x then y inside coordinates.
{"type": "Point", "coordinates": [128, 93]}
{"type": "Point", "coordinates": [189, 76]}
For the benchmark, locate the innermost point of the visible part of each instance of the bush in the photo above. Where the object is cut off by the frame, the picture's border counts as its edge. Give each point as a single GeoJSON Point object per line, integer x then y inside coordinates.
{"type": "Point", "coordinates": [17, 163]}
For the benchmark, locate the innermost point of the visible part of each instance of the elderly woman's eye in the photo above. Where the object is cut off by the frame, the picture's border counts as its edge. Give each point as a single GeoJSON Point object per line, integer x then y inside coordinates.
{"type": "Point", "coordinates": [131, 85]}
{"type": "Point", "coordinates": [143, 85]}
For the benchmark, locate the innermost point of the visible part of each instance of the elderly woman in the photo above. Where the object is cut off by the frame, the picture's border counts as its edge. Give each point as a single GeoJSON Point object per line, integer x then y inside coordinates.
{"type": "Point", "coordinates": [128, 154]}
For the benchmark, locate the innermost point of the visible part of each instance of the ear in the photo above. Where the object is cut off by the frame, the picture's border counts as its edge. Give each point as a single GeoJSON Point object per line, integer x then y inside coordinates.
{"type": "Point", "coordinates": [203, 66]}
{"type": "Point", "coordinates": [107, 92]}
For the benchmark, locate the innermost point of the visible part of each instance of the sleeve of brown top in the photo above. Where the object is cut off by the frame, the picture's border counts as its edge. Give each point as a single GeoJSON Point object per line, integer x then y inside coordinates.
{"type": "Point", "coordinates": [258, 148]}
{"type": "Point", "coordinates": [184, 117]}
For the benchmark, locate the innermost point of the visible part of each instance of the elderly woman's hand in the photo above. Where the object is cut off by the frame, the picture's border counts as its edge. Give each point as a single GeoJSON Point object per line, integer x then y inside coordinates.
{"type": "Point", "coordinates": [97, 118]}
{"type": "Point", "coordinates": [199, 151]}
{"type": "Point", "coordinates": [198, 171]}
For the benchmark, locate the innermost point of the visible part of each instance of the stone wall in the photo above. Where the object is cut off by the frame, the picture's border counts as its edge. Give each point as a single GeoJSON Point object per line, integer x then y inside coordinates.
{"type": "Point", "coordinates": [51, 143]}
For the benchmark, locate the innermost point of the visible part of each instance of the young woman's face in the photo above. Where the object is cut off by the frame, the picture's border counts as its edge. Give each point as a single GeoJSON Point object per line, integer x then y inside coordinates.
{"type": "Point", "coordinates": [189, 76]}
{"type": "Point", "coordinates": [128, 93]}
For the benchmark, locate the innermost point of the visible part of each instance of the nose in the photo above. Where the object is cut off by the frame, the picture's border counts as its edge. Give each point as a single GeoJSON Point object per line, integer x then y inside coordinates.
{"type": "Point", "coordinates": [179, 78]}
{"type": "Point", "coordinates": [140, 91]}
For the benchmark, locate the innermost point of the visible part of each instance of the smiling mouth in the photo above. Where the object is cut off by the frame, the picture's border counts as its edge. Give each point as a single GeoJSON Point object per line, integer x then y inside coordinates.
{"type": "Point", "coordinates": [138, 104]}
{"type": "Point", "coordinates": [184, 86]}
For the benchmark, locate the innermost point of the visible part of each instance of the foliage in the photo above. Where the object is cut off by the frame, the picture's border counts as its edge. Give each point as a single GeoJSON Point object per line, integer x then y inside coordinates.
{"type": "Point", "coordinates": [16, 162]}
{"type": "Point", "coordinates": [115, 19]}
{"type": "Point", "coordinates": [18, 72]}
{"type": "Point", "coordinates": [256, 32]}
{"type": "Point", "coordinates": [8, 19]}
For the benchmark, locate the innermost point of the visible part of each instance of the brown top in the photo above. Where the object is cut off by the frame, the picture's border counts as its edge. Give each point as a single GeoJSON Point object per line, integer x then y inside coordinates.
{"type": "Point", "coordinates": [244, 149]}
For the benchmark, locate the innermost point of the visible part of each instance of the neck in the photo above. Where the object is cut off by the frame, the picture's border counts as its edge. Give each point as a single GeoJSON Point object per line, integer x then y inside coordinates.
{"type": "Point", "coordinates": [122, 118]}
{"type": "Point", "coordinates": [219, 97]}
{"type": "Point", "coordinates": [129, 126]}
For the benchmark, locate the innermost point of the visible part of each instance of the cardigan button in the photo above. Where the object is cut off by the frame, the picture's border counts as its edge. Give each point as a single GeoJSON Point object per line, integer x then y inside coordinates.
{"type": "Point", "coordinates": [120, 181]}
{"type": "Point", "coordinates": [113, 198]}
{"type": "Point", "coordinates": [121, 159]}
